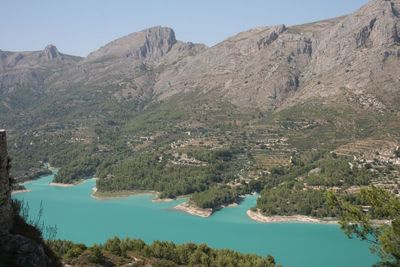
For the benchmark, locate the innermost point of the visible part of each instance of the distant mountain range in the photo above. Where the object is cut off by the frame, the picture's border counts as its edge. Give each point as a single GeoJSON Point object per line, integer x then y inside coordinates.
{"type": "Point", "coordinates": [267, 67]}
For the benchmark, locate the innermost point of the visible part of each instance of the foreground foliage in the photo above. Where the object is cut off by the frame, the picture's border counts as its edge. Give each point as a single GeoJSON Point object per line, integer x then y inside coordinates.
{"type": "Point", "coordinates": [118, 252]}
{"type": "Point", "coordinates": [357, 222]}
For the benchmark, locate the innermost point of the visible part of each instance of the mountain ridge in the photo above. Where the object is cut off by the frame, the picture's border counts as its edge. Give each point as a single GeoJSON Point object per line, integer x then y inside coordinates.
{"type": "Point", "coordinates": [276, 63]}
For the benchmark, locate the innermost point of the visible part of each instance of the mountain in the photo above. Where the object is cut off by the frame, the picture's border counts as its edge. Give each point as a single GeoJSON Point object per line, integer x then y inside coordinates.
{"type": "Point", "coordinates": [127, 63]}
{"type": "Point", "coordinates": [276, 66]}
{"type": "Point", "coordinates": [150, 98]}
{"type": "Point", "coordinates": [29, 74]}
{"type": "Point", "coordinates": [267, 67]}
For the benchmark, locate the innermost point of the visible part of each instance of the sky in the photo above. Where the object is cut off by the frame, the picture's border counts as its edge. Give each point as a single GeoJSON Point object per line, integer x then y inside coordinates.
{"type": "Point", "coordinates": [79, 27]}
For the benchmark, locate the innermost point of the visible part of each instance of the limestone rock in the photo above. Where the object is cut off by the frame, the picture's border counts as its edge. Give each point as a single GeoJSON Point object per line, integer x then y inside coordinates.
{"type": "Point", "coordinates": [269, 68]}
{"type": "Point", "coordinates": [15, 249]}
{"type": "Point", "coordinates": [51, 52]}
{"type": "Point", "coordinates": [5, 189]}
{"type": "Point", "coordinates": [20, 251]}
{"type": "Point", "coordinates": [148, 44]}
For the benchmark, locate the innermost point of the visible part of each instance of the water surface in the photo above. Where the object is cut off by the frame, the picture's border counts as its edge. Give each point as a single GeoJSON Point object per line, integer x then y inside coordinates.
{"type": "Point", "coordinates": [81, 218]}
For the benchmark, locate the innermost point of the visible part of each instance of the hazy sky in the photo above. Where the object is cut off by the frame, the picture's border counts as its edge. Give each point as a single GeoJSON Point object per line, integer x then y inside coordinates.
{"type": "Point", "coordinates": [80, 26]}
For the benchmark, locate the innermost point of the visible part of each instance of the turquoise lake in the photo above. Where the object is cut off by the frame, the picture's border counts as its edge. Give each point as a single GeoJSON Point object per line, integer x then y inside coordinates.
{"type": "Point", "coordinates": [81, 218]}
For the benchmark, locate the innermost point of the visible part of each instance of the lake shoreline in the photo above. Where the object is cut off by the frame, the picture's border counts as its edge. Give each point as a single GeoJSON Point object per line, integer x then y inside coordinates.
{"type": "Point", "coordinates": [60, 184]}
{"type": "Point", "coordinates": [139, 217]}
{"type": "Point", "coordinates": [259, 217]}
{"type": "Point", "coordinates": [68, 185]}
{"type": "Point", "coordinates": [96, 194]}
{"type": "Point", "coordinates": [194, 210]}
{"type": "Point", "coordinates": [14, 192]}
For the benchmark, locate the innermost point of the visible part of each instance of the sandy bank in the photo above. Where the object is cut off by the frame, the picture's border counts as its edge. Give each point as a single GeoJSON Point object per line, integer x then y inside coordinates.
{"type": "Point", "coordinates": [157, 199]}
{"type": "Point", "coordinates": [233, 205]}
{"type": "Point", "coordinates": [61, 184]}
{"type": "Point", "coordinates": [193, 210]}
{"type": "Point", "coordinates": [257, 216]}
{"type": "Point", "coordinates": [160, 200]}
{"type": "Point", "coordinates": [118, 194]}
{"type": "Point", "coordinates": [20, 191]}
{"type": "Point", "coordinates": [68, 185]}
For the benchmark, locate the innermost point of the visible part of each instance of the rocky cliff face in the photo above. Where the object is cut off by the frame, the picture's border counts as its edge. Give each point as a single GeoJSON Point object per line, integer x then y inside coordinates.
{"type": "Point", "coordinates": [17, 248]}
{"type": "Point", "coordinates": [149, 44]}
{"type": "Point", "coordinates": [129, 65]}
{"type": "Point", "coordinates": [351, 60]}
{"type": "Point", "coordinates": [278, 66]}
{"type": "Point", "coordinates": [268, 67]}
{"type": "Point", "coordinates": [5, 189]}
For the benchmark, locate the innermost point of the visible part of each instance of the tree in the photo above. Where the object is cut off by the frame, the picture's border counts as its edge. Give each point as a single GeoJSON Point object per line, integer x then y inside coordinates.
{"type": "Point", "coordinates": [97, 254]}
{"type": "Point", "coordinates": [113, 246]}
{"type": "Point", "coordinates": [358, 221]}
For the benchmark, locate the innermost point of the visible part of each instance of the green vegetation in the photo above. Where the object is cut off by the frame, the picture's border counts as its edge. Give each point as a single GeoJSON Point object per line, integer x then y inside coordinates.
{"type": "Point", "coordinates": [80, 167]}
{"type": "Point", "coordinates": [301, 188]}
{"type": "Point", "coordinates": [284, 200]}
{"type": "Point", "coordinates": [117, 252]}
{"type": "Point", "coordinates": [356, 221]}
{"type": "Point", "coordinates": [179, 146]}
{"type": "Point", "coordinates": [338, 172]}
{"type": "Point", "coordinates": [158, 170]}
{"type": "Point", "coordinates": [215, 197]}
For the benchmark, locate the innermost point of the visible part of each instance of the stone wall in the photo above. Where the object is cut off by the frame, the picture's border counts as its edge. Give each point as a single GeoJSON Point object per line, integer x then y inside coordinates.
{"type": "Point", "coordinates": [5, 188]}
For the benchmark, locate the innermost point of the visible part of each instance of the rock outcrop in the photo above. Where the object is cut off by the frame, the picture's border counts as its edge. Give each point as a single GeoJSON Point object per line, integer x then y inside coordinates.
{"type": "Point", "coordinates": [149, 44]}
{"type": "Point", "coordinates": [269, 68]}
{"type": "Point", "coordinates": [129, 65]}
{"type": "Point", "coordinates": [26, 77]}
{"type": "Point", "coordinates": [277, 66]}
{"type": "Point", "coordinates": [16, 247]}
{"type": "Point", "coordinates": [51, 52]}
{"type": "Point", "coordinates": [5, 188]}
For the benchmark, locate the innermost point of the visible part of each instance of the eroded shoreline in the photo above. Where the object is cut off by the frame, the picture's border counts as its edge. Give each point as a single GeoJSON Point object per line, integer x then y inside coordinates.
{"type": "Point", "coordinates": [14, 192]}
{"type": "Point", "coordinates": [259, 217]}
{"type": "Point", "coordinates": [193, 210]}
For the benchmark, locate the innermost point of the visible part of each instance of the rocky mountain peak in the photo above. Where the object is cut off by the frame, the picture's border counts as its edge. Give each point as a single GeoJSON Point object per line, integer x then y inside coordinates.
{"type": "Point", "coordinates": [374, 27]}
{"type": "Point", "coordinates": [158, 42]}
{"type": "Point", "coordinates": [264, 67]}
{"type": "Point", "coordinates": [51, 52]}
{"type": "Point", "coordinates": [148, 44]}
{"type": "Point", "coordinates": [382, 23]}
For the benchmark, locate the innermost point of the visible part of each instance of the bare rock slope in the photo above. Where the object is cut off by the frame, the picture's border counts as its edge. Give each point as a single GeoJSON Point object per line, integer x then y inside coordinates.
{"type": "Point", "coordinates": [352, 59]}
{"type": "Point", "coordinates": [276, 66]}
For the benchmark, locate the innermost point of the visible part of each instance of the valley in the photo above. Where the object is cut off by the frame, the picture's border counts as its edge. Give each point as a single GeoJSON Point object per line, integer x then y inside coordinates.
{"type": "Point", "coordinates": [295, 127]}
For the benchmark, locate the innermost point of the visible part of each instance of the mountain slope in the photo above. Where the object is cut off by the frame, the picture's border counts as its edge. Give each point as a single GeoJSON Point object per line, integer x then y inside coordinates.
{"type": "Point", "coordinates": [274, 66]}
{"type": "Point", "coordinates": [314, 86]}
{"type": "Point", "coordinates": [29, 74]}
{"type": "Point", "coordinates": [130, 64]}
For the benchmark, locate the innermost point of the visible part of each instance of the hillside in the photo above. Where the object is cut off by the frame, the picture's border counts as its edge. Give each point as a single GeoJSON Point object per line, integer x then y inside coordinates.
{"type": "Point", "coordinates": [149, 112]}
{"type": "Point", "coordinates": [22, 241]}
